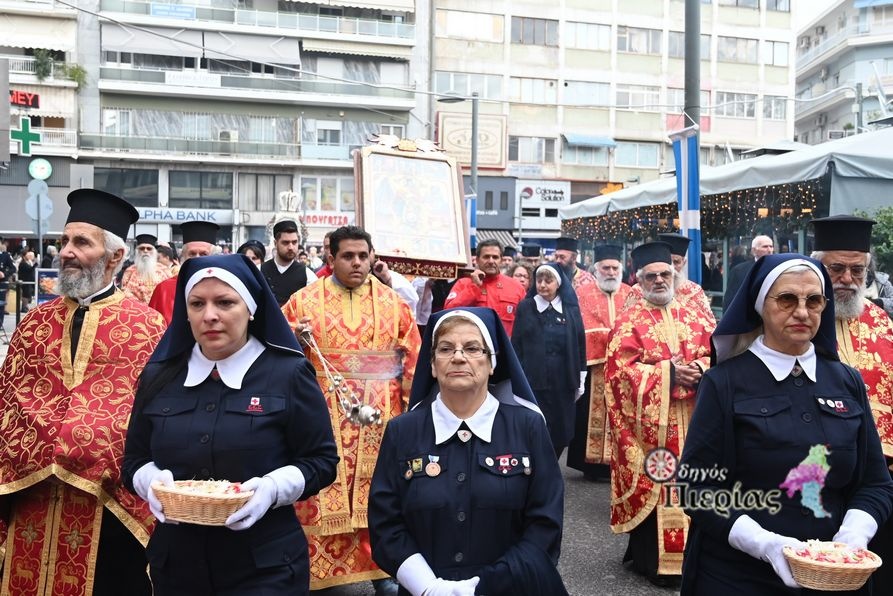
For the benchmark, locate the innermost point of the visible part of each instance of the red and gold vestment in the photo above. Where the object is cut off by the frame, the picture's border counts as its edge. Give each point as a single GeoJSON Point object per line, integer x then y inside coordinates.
{"type": "Point", "coordinates": [140, 288]}
{"type": "Point", "coordinates": [648, 411]}
{"type": "Point", "coordinates": [62, 437]}
{"type": "Point", "coordinates": [369, 335]}
{"type": "Point", "coordinates": [688, 294]}
{"type": "Point", "coordinates": [163, 298]}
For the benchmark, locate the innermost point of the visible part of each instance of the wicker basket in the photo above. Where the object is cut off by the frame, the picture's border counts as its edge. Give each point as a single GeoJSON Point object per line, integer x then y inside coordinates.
{"type": "Point", "coordinates": [830, 577]}
{"type": "Point", "coordinates": [182, 503]}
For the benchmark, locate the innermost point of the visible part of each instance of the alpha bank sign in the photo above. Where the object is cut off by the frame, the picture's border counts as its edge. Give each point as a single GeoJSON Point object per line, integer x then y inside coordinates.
{"type": "Point", "coordinates": [543, 193]}
{"type": "Point", "coordinates": [223, 217]}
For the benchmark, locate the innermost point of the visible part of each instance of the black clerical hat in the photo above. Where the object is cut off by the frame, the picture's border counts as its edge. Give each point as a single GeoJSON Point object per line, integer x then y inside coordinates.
{"type": "Point", "coordinates": [531, 250]}
{"type": "Point", "coordinates": [146, 239]}
{"type": "Point", "coordinates": [509, 251]}
{"type": "Point", "coordinates": [566, 243]}
{"type": "Point", "coordinates": [103, 210]}
{"type": "Point", "coordinates": [652, 252]}
{"type": "Point", "coordinates": [678, 243]}
{"type": "Point", "coordinates": [608, 251]}
{"type": "Point", "coordinates": [199, 231]}
{"type": "Point", "coordinates": [285, 225]}
{"type": "Point", "coordinates": [843, 232]}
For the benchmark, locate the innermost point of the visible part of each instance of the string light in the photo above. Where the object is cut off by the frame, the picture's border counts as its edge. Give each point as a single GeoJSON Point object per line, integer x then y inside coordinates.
{"type": "Point", "coordinates": [782, 209]}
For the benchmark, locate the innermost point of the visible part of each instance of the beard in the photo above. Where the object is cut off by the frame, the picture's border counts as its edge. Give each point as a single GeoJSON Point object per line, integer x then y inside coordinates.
{"type": "Point", "coordinates": [851, 305]}
{"type": "Point", "coordinates": [659, 297]}
{"type": "Point", "coordinates": [680, 278]}
{"type": "Point", "coordinates": [569, 269]}
{"type": "Point", "coordinates": [607, 285]}
{"type": "Point", "coordinates": [145, 265]}
{"type": "Point", "coordinates": [80, 282]}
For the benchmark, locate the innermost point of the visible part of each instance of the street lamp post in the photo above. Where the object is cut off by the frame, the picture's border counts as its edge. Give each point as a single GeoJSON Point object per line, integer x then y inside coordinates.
{"type": "Point", "coordinates": [455, 98]}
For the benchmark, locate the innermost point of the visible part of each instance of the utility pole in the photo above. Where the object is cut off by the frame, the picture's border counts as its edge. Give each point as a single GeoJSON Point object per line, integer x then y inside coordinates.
{"type": "Point", "coordinates": [859, 100]}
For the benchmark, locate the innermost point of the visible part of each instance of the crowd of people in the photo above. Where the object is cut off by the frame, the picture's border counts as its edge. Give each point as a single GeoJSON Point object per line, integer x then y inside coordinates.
{"type": "Point", "coordinates": [407, 432]}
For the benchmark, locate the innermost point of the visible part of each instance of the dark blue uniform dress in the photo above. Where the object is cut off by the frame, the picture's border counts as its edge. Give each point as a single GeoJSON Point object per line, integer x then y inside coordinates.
{"type": "Point", "coordinates": [211, 431]}
{"type": "Point", "coordinates": [757, 429]}
{"type": "Point", "coordinates": [494, 510]}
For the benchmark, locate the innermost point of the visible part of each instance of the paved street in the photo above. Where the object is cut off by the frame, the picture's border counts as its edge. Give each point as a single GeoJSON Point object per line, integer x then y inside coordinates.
{"type": "Point", "coordinates": [590, 554]}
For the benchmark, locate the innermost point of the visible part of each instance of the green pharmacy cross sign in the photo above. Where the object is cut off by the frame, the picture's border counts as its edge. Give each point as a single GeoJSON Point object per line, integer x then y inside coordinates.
{"type": "Point", "coordinates": [24, 136]}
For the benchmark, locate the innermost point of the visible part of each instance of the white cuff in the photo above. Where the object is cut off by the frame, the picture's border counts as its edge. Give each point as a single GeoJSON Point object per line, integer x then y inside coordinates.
{"type": "Point", "coordinates": [142, 479]}
{"type": "Point", "coordinates": [857, 529]}
{"type": "Point", "coordinates": [289, 481]}
{"type": "Point", "coordinates": [415, 575]}
{"type": "Point", "coordinates": [743, 535]}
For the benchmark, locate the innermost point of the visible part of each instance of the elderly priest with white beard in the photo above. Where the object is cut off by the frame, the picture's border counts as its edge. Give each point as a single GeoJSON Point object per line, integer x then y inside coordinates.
{"type": "Point", "coordinates": [140, 279]}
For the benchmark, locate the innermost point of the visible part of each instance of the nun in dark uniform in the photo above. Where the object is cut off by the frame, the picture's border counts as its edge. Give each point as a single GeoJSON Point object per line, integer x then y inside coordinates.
{"type": "Point", "coordinates": [228, 394]}
{"type": "Point", "coordinates": [550, 341]}
{"type": "Point", "coordinates": [467, 496]}
{"type": "Point", "coordinates": [781, 419]}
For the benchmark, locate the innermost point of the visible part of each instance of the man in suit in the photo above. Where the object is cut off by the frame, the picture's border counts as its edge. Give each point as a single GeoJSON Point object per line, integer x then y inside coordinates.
{"type": "Point", "coordinates": [761, 245]}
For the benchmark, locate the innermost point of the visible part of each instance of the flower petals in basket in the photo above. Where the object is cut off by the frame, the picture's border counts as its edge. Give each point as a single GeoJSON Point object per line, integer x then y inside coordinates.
{"type": "Point", "coordinates": [203, 502]}
{"type": "Point", "coordinates": [831, 566]}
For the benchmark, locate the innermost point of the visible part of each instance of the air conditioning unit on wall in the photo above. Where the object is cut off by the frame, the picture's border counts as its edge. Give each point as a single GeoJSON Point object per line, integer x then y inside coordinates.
{"type": "Point", "coordinates": [228, 135]}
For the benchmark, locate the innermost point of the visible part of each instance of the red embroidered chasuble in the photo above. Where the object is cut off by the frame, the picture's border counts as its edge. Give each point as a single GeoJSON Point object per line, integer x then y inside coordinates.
{"type": "Point", "coordinates": [140, 288]}
{"type": "Point", "coordinates": [163, 298]}
{"type": "Point", "coordinates": [648, 412]}
{"type": "Point", "coordinates": [62, 437]}
{"type": "Point", "coordinates": [866, 344]}
{"type": "Point", "coordinates": [688, 294]}
{"type": "Point", "coordinates": [370, 336]}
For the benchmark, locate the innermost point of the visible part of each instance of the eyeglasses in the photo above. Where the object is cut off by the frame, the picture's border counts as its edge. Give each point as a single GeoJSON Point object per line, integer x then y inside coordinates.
{"type": "Point", "coordinates": [470, 352]}
{"type": "Point", "coordinates": [664, 275]}
{"type": "Point", "coordinates": [789, 301]}
{"type": "Point", "coordinates": [839, 269]}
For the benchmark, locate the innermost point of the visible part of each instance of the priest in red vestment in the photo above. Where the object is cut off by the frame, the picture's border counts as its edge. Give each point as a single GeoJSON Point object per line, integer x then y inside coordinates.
{"type": "Point", "coordinates": [656, 355]}
{"type": "Point", "coordinates": [67, 524]}
{"type": "Point", "coordinates": [139, 280]}
{"type": "Point", "coordinates": [198, 241]}
{"type": "Point", "coordinates": [368, 334]}
{"type": "Point", "coordinates": [864, 341]}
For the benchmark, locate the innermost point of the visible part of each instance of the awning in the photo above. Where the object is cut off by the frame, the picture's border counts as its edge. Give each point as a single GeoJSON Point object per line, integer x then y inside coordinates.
{"type": "Point", "coordinates": [595, 141]}
{"type": "Point", "coordinates": [158, 41]}
{"type": "Point", "coordinates": [504, 237]}
{"type": "Point", "coordinates": [390, 5]}
{"type": "Point", "coordinates": [55, 102]}
{"type": "Point", "coordinates": [253, 48]}
{"type": "Point", "coordinates": [870, 3]}
{"type": "Point", "coordinates": [357, 49]}
{"type": "Point", "coordinates": [20, 31]}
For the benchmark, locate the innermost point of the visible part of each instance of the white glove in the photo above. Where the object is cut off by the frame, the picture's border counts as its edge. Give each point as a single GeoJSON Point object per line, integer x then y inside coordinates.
{"type": "Point", "coordinates": [443, 587]}
{"type": "Point", "coordinates": [582, 387]}
{"type": "Point", "coordinates": [143, 480]}
{"type": "Point", "coordinates": [750, 537]}
{"type": "Point", "coordinates": [264, 497]}
{"type": "Point", "coordinates": [857, 529]}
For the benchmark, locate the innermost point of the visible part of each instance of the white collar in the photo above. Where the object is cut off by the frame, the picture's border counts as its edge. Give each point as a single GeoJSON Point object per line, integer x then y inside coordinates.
{"type": "Point", "coordinates": [232, 369]}
{"type": "Point", "coordinates": [780, 365]}
{"type": "Point", "coordinates": [86, 301]}
{"type": "Point", "coordinates": [542, 304]}
{"type": "Point", "coordinates": [446, 423]}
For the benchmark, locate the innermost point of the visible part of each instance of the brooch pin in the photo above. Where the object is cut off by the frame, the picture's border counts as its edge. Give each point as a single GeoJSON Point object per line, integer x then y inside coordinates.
{"type": "Point", "coordinates": [433, 468]}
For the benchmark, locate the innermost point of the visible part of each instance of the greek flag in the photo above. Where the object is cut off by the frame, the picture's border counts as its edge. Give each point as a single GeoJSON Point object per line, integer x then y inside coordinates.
{"type": "Point", "coordinates": [685, 150]}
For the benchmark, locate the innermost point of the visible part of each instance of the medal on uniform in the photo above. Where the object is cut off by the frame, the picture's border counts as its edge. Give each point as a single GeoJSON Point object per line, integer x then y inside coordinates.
{"type": "Point", "coordinates": [525, 461]}
{"type": "Point", "coordinates": [408, 473]}
{"type": "Point", "coordinates": [416, 465]}
{"type": "Point", "coordinates": [464, 435]}
{"type": "Point", "coordinates": [433, 468]}
{"type": "Point", "coordinates": [489, 461]}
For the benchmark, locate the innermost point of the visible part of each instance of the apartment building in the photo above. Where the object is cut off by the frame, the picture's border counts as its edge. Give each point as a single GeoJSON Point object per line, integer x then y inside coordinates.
{"type": "Point", "coordinates": [578, 96]}
{"type": "Point", "coordinates": [846, 46]}
{"type": "Point", "coordinates": [219, 109]}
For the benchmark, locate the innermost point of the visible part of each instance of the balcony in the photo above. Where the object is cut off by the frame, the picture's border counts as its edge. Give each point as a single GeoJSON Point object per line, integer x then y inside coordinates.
{"type": "Point", "coordinates": [367, 29]}
{"type": "Point", "coordinates": [57, 137]}
{"type": "Point", "coordinates": [26, 66]}
{"type": "Point", "coordinates": [841, 38]}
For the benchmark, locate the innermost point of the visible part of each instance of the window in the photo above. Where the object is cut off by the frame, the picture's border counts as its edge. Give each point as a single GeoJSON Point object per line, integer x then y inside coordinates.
{"type": "Point", "coordinates": [487, 86]}
{"type": "Point", "coordinates": [676, 99]}
{"type": "Point", "coordinates": [638, 97]}
{"type": "Point", "coordinates": [328, 193]}
{"type": "Point", "coordinates": [201, 190]}
{"type": "Point", "coordinates": [198, 126]}
{"type": "Point", "coordinates": [469, 25]}
{"type": "Point", "coordinates": [638, 41]}
{"type": "Point", "coordinates": [488, 200]}
{"type": "Point", "coordinates": [779, 5]}
{"type": "Point", "coordinates": [584, 156]}
{"type": "Point", "coordinates": [137, 187]}
{"type": "Point", "coordinates": [116, 122]}
{"type": "Point", "coordinates": [587, 36]}
{"type": "Point", "coordinates": [734, 105]}
{"type": "Point", "coordinates": [328, 133]}
{"type": "Point", "coordinates": [584, 93]}
{"type": "Point", "coordinates": [117, 57]}
{"type": "Point", "coordinates": [534, 32]}
{"type": "Point", "coordinates": [774, 107]}
{"type": "Point", "coordinates": [150, 61]}
{"type": "Point", "coordinates": [260, 192]}
{"type": "Point", "coordinates": [741, 3]}
{"type": "Point", "coordinates": [736, 49]}
{"type": "Point", "coordinates": [398, 130]}
{"type": "Point", "coordinates": [503, 200]}
{"type": "Point", "coordinates": [531, 149]}
{"type": "Point", "coordinates": [636, 155]}
{"type": "Point", "coordinates": [533, 90]}
{"type": "Point", "coordinates": [676, 45]}
{"type": "Point", "coordinates": [262, 129]}
{"type": "Point", "coordinates": [775, 53]}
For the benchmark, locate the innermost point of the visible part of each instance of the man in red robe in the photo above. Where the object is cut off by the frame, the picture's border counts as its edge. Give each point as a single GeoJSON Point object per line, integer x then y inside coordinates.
{"type": "Point", "coordinates": [656, 355]}
{"type": "Point", "coordinates": [367, 333]}
{"type": "Point", "coordinates": [864, 341]}
{"type": "Point", "coordinates": [198, 241]}
{"type": "Point", "coordinates": [139, 280]}
{"type": "Point", "coordinates": [68, 525]}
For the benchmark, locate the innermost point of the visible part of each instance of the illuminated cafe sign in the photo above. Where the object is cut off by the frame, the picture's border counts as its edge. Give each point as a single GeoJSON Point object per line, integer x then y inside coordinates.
{"type": "Point", "coordinates": [24, 99]}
